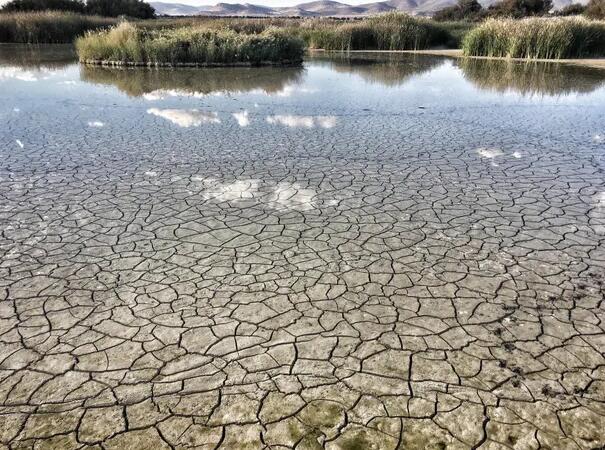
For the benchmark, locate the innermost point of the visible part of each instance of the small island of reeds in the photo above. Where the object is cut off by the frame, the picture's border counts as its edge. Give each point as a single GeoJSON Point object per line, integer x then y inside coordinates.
{"type": "Point", "coordinates": [127, 44]}
{"type": "Point", "coordinates": [537, 38]}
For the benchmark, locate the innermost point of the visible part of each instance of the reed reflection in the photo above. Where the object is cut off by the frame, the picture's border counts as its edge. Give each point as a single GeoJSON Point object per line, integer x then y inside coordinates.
{"type": "Point", "coordinates": [531, 78]}
{"type": "Point", "coordinates": [34, 62]}
{"type": "Point", "coordinates": [157, 83]}
{"type": "Point", "coordinates": [386, 69]}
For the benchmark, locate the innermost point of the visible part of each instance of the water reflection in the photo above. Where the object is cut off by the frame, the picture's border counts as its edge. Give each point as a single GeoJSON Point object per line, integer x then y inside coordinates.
{"type": "Point", "coordinates": [39, 62]}
{"type": "Point", "coordinates": [37, 57]}
{"type": "Point", "coordinates": [531, 78]}
{"type": "Point", "coordinates": [489, 153]}
{"type": "Point", "coordinates": [525, 78]}
{"type": "Point", "coordinates": [387, 69]}
{"type": "Point", "coordinates": [159, 83]}
{"type": "Point", "coordinates": [33, 62]}
{"type": "Point", "coordinates": [242, 118]}
{"type": "Point", "coordinates": [292, 121]}
{"type": "Point", "coordinates": [185, 118]}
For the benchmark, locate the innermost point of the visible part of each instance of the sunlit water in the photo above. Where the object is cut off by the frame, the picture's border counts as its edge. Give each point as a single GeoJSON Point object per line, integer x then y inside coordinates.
{"type": "Point", "coordinates": [370, 251]}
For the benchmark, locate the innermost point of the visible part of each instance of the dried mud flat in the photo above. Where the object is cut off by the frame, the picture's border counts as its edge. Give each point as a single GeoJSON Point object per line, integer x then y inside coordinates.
{"type": "Point", "coordinates": [414, 280]}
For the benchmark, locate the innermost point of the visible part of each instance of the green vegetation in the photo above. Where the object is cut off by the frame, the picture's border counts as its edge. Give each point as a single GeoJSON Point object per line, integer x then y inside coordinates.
{"type": "Point", "coordinates": [232, 41]}
{"type": "Point", "coordinates": [519, 8]}
{"type": "Point", "coordinates": [462, 10]}
{"type": "Point", "coordinates": [391, 31]}
{"type": "Point", "coordinates": [595, 9]}
{"type": "Point", "coordinates": [48, 27]}
{"type": "Point", "coordinates": [472, 10]}
{"type": "Point", "coordinates": [259, 41]}
{"type": "Point", "coordinates": [535, 38]}
{"type": "Point", "coordinates": [77, 6]}
{"type": "Point", "coordinates": [573, 9]}
{"type": "Point", "coordinates": [454, 32]}
{"type": "Point", "coordinates": [115, 8]}
{"type": "Point", "coordinates": [128, 44]}
{"type": "Point", "coordinates": [106, 8]}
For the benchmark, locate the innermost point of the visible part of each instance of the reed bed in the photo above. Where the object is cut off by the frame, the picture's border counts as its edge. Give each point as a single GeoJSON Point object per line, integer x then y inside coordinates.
{"type": "Point", "coordinates": [132, 45]}
{"type": "Point", "coordinates": [241, 25]}
{"type": "Point", "coordinates": [537, 38]}
{"type": "Point", "coordinates": [391, 31]}
{"type": "Point", "coordinates": [48, 27]}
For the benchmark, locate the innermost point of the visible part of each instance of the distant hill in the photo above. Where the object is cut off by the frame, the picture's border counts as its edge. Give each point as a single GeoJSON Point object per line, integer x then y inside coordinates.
{"type": "Point", "coordinates": [331, 8]}
{"type": "Point", "coordinates": [320, 8]}
{"type": "Point", "coordinates": [174, 9]}
{"type": "Point", "coordinates": [235, 9]}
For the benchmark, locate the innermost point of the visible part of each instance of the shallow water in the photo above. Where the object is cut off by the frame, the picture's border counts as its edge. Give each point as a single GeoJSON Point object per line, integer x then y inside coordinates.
{"type": "Point", "coordinates": [370, 251]}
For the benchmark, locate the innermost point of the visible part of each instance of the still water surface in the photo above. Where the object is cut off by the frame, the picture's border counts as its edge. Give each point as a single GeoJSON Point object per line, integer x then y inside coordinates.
{"type": "Point", "coordinates": [370, 251]}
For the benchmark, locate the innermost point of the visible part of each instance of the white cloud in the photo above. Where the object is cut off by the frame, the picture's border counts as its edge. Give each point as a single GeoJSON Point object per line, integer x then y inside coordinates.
{"type": "Point", "coordinates": [242, 118]}
{"type": "Point", "coordinates": [185, 117]}
{"type": "Point", "coordinates": [302, 121]}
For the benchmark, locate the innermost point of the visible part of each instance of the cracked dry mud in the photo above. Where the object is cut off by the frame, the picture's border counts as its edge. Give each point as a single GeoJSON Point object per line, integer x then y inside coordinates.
{"type": "Point", "coordinates": [393, 277]}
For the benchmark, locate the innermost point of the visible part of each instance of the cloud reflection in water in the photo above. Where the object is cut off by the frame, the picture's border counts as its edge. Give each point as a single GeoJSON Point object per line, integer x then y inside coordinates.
{"type": "Point", "coordinates": [293, 121]}
{"type": "Point", "coordinates": [242, 118]}
{"type": "Point", "coordinates": [185, 118]}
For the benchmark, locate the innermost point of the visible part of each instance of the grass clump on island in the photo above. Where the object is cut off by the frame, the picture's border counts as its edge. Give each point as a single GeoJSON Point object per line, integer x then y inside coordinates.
{"type": "Point", "coordinates": [193, 45]}
{"type": "Point", "coordinates": [537, 38]}
{"type": "Point", "coordinates": [49, 27]}
{"type": "Point", "coordinates": [390, 31]}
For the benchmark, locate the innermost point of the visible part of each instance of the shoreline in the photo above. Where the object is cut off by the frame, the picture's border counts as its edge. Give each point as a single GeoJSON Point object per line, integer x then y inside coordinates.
{"type": "Point", "coordinates": [284, 63]}
{"type": "Point", "coordinates": [595, 63]}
